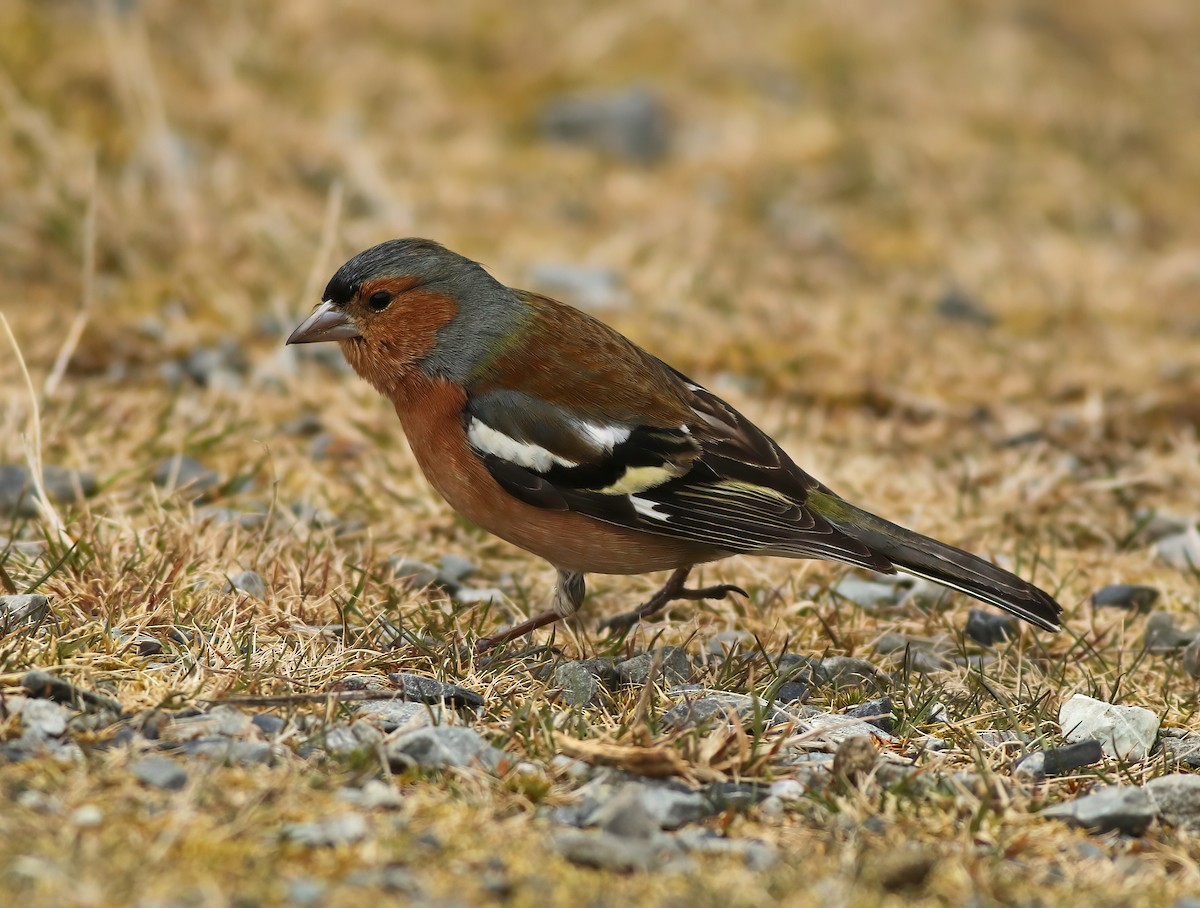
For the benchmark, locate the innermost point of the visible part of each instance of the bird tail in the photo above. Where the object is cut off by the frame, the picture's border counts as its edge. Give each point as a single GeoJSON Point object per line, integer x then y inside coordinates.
{"type": "Point", "coordinates": [939, 562]}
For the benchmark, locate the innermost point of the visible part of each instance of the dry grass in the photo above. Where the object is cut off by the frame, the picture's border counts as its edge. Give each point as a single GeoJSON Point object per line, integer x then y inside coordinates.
{"type": "Point", "coordinates": [173, 175]}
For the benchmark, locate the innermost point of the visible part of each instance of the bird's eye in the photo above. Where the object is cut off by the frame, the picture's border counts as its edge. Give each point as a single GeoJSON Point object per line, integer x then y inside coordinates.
{"type": "Point", "coordinates": [379, 300]}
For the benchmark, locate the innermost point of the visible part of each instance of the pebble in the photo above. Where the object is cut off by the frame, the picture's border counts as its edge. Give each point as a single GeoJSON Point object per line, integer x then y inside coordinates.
{"type": "Point", "coordinates": [269, 725]}
{"type": "Point", "coordinates": [1180, 747]}
{"type": "Point", "coordinates": [630, 122]}
{"type": "Point", "coordinates": [393, 878]}
{"type": "Point", "coordinates": [375, 794]}
{"type": "Point", "coordinates": [394, 715]}
{"type": "Point", "coordinates": [877, 712]}
{"type": "Point", "coordinates": [248, 582]}
{"type": "Point", "coordinates": [421, 689]}
{"type": "Point", "coordinates": [586, 287]}
{"type": "Point", "coordinates": [343, 740]}
{"type": "Point", "coordinates": [1034, 768]}
{"type": "Point", "coordinates": [1181, 550]}
{"type": "Point", "coordinates": [62, 485]}
{"type": "Point", "coordinates": [625, 815]}
{"type": "Point", "coordinates": [989, 628]}
{"type": "Point", "coordinates": [453, 569]}
{"type": "Point", "coordinates": [1124, 732]}
{"type": "Point", "coordinates": [1177, 798]}
{"type": "Point", "coordinates": [581, 681]}
{"type": "Point", "coordinates": [419, 574]}
{"type": "Point", "coordinates": [220, 721]}
{"type": "Point", "coordinates": [342, 829]}
{"type": "Point", "coordinates": [665, 805]}
{"type": "Point", "coordinates": [180, 472]}
{"type": "Point", "coordinates": [469, 595]}
{"type": "Point", "coordinates": [1190, 658]}
{"type": "Point", "coordinates": [229, 752]}
{"type": "Point", "coordinates": [844, 672]}
{"type": "Point", "coordinates": [39, 718]}
{"type": "Point", "coordinates": [676, 668]}
{"type": "Point", "coordinates": [756, 855]}
{"type": "Point", "coordinates": [306, 890]}
{"type": "Point", "coordinates": [956, 305]}
{"type": "Point", "coordinates": [159, 772]}
{"type": "Point", "coordinates": [1114, 808]}
{"type": "Point", "coordinates": [87, 816]}
{"type": "Point", "coordinates": [869, 595]}
{"type": "Point", "coordinates": [606, 851]}
{"type": "Point", "coordinates": [442, 747]}
{"type": "Point", "coordinates": [700, 707]}
{"type": "Point", "coordinates": [1132, 596]}
{"type": "Point", "coordinates": [835, 729]}
{"type": "Point", "coordinates": [1162, 636]}
{"type": "Point", "coordinates": [26, 607]}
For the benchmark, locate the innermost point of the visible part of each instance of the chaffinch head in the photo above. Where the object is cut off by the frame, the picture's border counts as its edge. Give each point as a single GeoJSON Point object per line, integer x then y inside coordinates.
{"type": "Point", "coordinates": [549, 429]}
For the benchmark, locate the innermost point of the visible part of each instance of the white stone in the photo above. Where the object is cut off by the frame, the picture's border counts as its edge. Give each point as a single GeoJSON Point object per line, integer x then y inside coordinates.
{"type": "Point", "coordinates": [1124, 732]}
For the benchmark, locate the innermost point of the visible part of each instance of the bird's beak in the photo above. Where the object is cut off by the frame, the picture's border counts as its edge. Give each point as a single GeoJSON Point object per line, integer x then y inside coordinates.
{"type": "Point", "coordinates": [325, 324]}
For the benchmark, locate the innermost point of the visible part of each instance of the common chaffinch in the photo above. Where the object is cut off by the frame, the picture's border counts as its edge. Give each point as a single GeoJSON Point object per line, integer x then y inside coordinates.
{"type": "Point", "coordinates": [549, 429]}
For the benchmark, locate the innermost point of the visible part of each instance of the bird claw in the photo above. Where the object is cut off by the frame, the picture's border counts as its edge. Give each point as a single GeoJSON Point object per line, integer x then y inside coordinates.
{"type": "Point", "coordinates": [621, 623]}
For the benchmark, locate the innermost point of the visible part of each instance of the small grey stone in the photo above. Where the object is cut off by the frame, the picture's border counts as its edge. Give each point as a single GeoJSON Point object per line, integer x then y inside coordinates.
{"type": "Point", "coordinates": [442, 747]}
{"type": "Point", "coordinates": [159, 772]}
{"type": "Point", "coordinates": [1036, 766]}
{"type": "Point", "coordinates": [220, 721]}
{"type": "Point", "coordinates": [990, 628]}
{"type": "Point", "coordinates": [716, 706]}
{"type": "Point", "coordinates": [269, 725]}
{"type": "Point", "coordinates": [230, 752]}
{"type": "Point", "coordinates": [877, 712]}
{"type": "Point", "coordinates": [956, 305]}
{"type": "Point", "coordinates": [1132, 596]}
{"type": "Point", "coordinates": [337, 830]}
{"type": "Point", "coordinates": [17, 496]}
{"type": "Point", "coordinates": [1124, 732]}
{"type": "Point", "coordinates": [580, 681]}
{"type": "Point", "coordinates": [1177, 797]}
{"type": "Point", "coordinates": [39, 718]}
{"type": "Point", "coordinates": [756, 855]}
{"type": "Point", "coordinates": [631, 123]}
{"type": "Point", "coordinates": [306, 890]}
{"type": "Point", "coordinates": [392, 878]}
{"type": "Point", "coordinates": [470, 595]}
{"type": "Point", "coordinates": [1113, 808]}
{"type": "Point", "coordinates": [835, 729]}
{"type": "Point", "coordinates": [849, 672]}
{"type": "Point", "coordinates": [1153, 525]}
{"type": "Point", "coordinates": [792, 692]}
{"type": "Point", "coordinates": [1162, 636]}
{"type": "Point", "coordinates": [342, 739]}
{"type": "Point", "coordinates": [1190, 659]}
{"type": "Point", "coordinates": [625, 815]}
{"type": "Point", "coordinates": [392, 715]}
{"type": "Point", "coordinates": [1180, 551]}
{"type": "Point", "coordinates": [672, 807]}
{"type": "Point", "coordinates": [608, 852]}
{"type": "Point", "coordinates": [374, 794]}
{"type": "Point", "coordinates": [27, 607]}
{"type": "Point", "coordinates": [454, 569]}
{"type": "Point", "coordinates": [180, 472]}
{"type": "Point", "coordinates": [417, 573]}
{"type": "Point", "coordinates": [676, 667]}
{"type": "Point", "coordinates": [1181, 749]}
{"type": "Point", "coordinates": [868, 595]}
{"type": "Point", "coordinates": [248, 582]}
{"type": "Point", "coordinates": [590, 288]}
{"type": "Point", "coordinates": [925, 661]}
{"type": "Point", "coordinates": [421, 689]}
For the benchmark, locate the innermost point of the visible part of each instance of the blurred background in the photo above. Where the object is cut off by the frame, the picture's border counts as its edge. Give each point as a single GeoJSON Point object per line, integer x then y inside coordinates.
{"type": "Point", "coordinates": [954, 223]}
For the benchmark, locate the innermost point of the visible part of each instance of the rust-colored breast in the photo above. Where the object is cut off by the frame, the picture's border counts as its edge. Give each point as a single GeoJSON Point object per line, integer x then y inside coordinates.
{"type": "Point", "coordinates": [431, 412]}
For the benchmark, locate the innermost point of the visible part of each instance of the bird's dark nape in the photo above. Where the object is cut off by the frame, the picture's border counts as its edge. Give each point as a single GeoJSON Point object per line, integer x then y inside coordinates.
{"type": "Point", "coordinates": [941, 563]}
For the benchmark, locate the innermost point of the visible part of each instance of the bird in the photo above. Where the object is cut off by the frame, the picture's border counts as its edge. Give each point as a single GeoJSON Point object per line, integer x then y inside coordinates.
{"type": "Point", "coordinates": [551, 430]}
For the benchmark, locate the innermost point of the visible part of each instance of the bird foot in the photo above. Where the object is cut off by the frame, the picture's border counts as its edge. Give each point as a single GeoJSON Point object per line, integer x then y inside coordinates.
{"type": "Point", "coordinates": [672, 591]}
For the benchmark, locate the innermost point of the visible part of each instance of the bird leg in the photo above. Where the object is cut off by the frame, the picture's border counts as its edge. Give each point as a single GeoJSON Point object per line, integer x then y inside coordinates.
{"type": "Point", "coordinates": [568, 597]}
{"type": "Point", "coordinates": [672, 591]}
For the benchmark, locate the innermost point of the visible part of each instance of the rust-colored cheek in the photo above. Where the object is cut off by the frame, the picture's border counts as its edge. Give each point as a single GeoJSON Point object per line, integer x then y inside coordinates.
{"type": "Point", "coordinates": [398, 338]}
